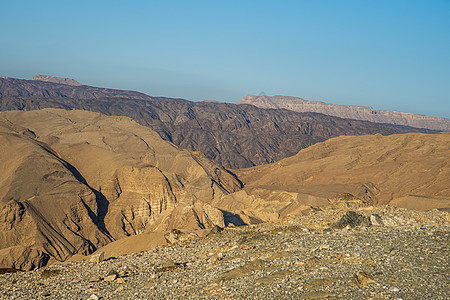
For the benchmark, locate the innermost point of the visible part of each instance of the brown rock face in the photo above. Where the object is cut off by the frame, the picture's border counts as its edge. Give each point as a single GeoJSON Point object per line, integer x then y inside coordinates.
{"type": "Point", "coordinates": [73, 181]}
{"type": "Point", "coordinates": [54, 79]}
{"type": "Point", "coordinates": [349, 111]}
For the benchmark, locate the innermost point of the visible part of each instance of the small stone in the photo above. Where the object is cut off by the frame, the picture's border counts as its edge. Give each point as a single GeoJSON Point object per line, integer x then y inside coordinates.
{"type": "Point", "coordinates": [97, 257]}
{"type": "Point", "coordinates": [213, 259]}
{"type": "Point", "coordinates": [394, 289]}
{"type": "Point", "coordinates": [362, 279]}
{"type": "Point", "coordinates": [120, 280]}
{"type": "Point", "coordinates": [176, 236]}
{"type": "Point", "coordinates": [110, 277]}
{"type": "Point", "coordinates": [215, 230]}
{"type": "Point", "coordinates": [246, 247]}
{"type": "Point", "coordinates": [324, 247]}
{"type": "Point", "coordinates": [112, 272]}
{"type": "Point", "coordinates": [93, 297]}
{"type": "Point", "coordinates": [376, 220]}
{"type": "Point", "coordinates": [95, 279]}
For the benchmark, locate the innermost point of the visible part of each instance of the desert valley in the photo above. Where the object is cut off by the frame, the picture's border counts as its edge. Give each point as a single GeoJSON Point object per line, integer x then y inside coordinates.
{"type": "Point", "coordinates": [117, 194]}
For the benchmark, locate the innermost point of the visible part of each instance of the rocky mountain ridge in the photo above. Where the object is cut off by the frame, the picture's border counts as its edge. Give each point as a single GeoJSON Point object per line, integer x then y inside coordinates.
{"type": "Point", "coordinates": [12, 87]}
{"type": "Point", "coordinates": [348, 111]}
{"type": "Point", "coordinates": [236, 136]}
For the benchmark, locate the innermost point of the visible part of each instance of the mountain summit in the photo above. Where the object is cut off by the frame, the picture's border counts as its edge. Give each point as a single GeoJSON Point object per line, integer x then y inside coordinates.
{"type": "Point", "coordinates": [54, 79]}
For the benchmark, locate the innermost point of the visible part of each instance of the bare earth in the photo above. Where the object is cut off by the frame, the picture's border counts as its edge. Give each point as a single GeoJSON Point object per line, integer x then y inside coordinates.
{"type": "Point", "coordinates": [78, 182]}
{"type": "Point", "coordinates": [404, 256]}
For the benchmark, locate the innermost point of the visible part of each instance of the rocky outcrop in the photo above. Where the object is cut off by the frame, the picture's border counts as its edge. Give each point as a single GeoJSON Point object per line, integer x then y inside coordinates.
{"type": "Point", "coordinates": [54, 79]}
{"type": "Point", "coordinates": [349, 111]}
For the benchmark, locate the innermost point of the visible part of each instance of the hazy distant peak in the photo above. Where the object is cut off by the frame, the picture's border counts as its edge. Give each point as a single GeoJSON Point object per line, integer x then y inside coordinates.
{"type": "Point", "coordinates": [365, 113]}
{"type": "Point", "coordinates": [54, 79]}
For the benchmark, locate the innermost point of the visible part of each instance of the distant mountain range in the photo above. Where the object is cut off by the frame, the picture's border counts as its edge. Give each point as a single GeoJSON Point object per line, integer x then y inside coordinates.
{"type": "Point", "coordinates": [236, 136]}
{"type": "Point", "coordinates": [365, 113]}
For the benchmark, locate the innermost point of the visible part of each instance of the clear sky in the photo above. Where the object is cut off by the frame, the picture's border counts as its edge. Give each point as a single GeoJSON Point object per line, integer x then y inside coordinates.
{"type": "Point", "coordinates": [388, 54]}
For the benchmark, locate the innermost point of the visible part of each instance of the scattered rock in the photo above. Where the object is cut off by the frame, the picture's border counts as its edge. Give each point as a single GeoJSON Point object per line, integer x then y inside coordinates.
{"type": "Point", "coordinates": [97, 257]}
{"type": "Point", "coordinates": [352, 219]}
{"type": "Point", "coordinates": [120, 280]}
{"type": "Point", "coordinates": [111, 276]}
{"type": "Point", "coordinates": [282, 266]}
{"type": "Point", "coordinates": [119, 289]}
{"type": "Point", "coordinates": [95, 279]}
{"type": "Point", "coordinates": [376, 220]}
{"type": "Point", "coordinates": [215, 230]}
{"type": "Point", "coordinates": [169, 266]}
{"type": "Point", "coordinates": [176, 236]}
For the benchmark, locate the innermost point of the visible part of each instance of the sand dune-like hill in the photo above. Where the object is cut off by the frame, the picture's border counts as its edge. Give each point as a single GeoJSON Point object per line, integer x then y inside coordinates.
{"type": "Point", "coordinates": [349, 111]}
{"type": "Point", "coordinates": [73, 181]}
{"type": "Point", "coordinates": [408, 170]}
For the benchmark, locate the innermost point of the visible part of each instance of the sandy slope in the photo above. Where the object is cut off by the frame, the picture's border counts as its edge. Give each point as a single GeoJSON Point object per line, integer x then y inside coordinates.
{"type": "Point", "coordinates": [378, 169]}
{"type": "Point", "coordinates": [72, 181]}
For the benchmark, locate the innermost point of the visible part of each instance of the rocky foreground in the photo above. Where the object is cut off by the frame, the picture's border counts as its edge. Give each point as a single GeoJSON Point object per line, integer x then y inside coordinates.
{"type": "Point", "coordinates": [345, 251]}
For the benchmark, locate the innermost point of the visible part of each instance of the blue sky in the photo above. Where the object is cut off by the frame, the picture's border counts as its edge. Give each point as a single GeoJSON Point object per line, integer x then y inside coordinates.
{"type": "Point", "coordinates": [386, 54]}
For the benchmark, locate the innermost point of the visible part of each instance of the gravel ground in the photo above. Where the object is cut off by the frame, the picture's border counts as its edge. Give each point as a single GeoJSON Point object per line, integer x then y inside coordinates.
{"type": "Point", "coordinates": [298, 257]}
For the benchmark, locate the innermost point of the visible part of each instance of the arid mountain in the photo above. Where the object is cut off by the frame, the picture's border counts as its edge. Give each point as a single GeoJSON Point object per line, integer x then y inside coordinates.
{"type": "Point", "coordinates": [235, 136]}
{"type": "Point", "coordinates": [407, 170]}
{"type": "Point", "coordinates": [54, 79]}
{"type": "Point", "coordinates": [349, 111]}
{"type": "Point", "coordinates": [12, 87]}
{"type": "Point", "coordinates": [72, 181]}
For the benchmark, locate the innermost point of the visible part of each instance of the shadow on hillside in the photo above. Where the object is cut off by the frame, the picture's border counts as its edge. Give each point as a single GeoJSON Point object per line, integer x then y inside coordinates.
{"type": "Point", "coordinates": [230, 218]}
{"type": "Point", "coordinates": [102, 202]}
